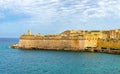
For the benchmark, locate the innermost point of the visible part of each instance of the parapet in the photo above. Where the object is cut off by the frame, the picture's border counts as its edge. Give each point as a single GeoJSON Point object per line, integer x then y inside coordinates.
{"type": "Point", "coordinates": [76, 35]}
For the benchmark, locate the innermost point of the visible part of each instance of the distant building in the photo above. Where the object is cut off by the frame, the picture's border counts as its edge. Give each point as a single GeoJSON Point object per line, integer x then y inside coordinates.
{"type": "Point", "coordinates": [29, 32]}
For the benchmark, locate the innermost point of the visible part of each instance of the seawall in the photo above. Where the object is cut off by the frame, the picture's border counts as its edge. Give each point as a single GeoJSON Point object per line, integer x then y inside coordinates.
{"type": "Point", "coordinates": [107, 41]}
{"type": "Point", "coordinates": [75, 45]}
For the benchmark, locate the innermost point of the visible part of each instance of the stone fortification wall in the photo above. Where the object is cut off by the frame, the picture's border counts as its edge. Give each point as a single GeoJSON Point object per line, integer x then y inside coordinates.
{"type": "Point", "coordinates": [110, 44]}
{"type": "Point", "coordinates": [52, 44]}
{"type": "Point", "coordinates": [72, 40]}
{"type": "Point", "coordinates": [90, 43]}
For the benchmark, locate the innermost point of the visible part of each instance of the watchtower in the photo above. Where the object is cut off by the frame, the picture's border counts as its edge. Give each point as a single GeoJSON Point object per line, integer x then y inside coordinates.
{"type": "Point", "coordinates": [29, 32]}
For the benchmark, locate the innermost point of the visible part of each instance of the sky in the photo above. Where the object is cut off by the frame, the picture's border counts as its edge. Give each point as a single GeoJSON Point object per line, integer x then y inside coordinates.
{"type": "Point", "coordinates": [56, 16]}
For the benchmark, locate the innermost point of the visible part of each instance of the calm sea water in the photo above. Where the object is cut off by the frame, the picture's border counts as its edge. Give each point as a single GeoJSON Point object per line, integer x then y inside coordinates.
{"type": "Point", "coordinates": [16, 61]}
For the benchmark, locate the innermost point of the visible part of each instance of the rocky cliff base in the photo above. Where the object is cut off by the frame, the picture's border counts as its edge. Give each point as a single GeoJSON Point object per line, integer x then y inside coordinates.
{"type": "Point", "coordinates": [110, 51]}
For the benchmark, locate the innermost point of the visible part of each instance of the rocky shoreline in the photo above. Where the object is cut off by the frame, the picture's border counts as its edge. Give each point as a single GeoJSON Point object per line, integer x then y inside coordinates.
{"type": "Point", "coordinates": [110, 51]}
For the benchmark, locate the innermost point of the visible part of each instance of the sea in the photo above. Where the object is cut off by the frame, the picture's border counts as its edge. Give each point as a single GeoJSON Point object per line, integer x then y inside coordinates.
{"type": "Point", "coordinates": [19, 61]}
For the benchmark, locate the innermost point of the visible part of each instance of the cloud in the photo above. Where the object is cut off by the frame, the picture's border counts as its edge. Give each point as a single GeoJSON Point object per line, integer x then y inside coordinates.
{"type": "Point", "coordinates": [52, 10]}
{"type": "Point", "coordinates": [104, 8]}
{"type": "Point", "coordinates": [2, 15]}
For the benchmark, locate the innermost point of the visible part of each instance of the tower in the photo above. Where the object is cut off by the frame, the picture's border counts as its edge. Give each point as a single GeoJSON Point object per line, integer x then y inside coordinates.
{"type": "Point", "coordinates": [29, 32]}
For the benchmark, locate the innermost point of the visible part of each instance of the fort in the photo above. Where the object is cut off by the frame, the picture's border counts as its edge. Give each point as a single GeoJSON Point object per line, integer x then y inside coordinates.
{"type": "Point", "coordinates": [75, 40]}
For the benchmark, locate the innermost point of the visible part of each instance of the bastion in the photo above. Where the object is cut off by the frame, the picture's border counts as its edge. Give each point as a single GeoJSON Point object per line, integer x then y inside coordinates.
{"type": "Point", "coordinates": [75, 40]}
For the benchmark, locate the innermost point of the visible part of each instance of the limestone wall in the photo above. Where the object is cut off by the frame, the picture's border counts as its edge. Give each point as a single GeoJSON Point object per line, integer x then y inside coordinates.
{"type": "Point", "coordinates": [52, 44]}
{"type": "Point", "coordinates": [90, 43]}
{"type": "Point", "coordinates": [114, 44]}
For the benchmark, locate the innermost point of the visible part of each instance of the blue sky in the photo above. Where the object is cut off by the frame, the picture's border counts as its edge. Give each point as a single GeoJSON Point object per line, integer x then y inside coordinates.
{"type": "Point", "coordinates": [55, 16]}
